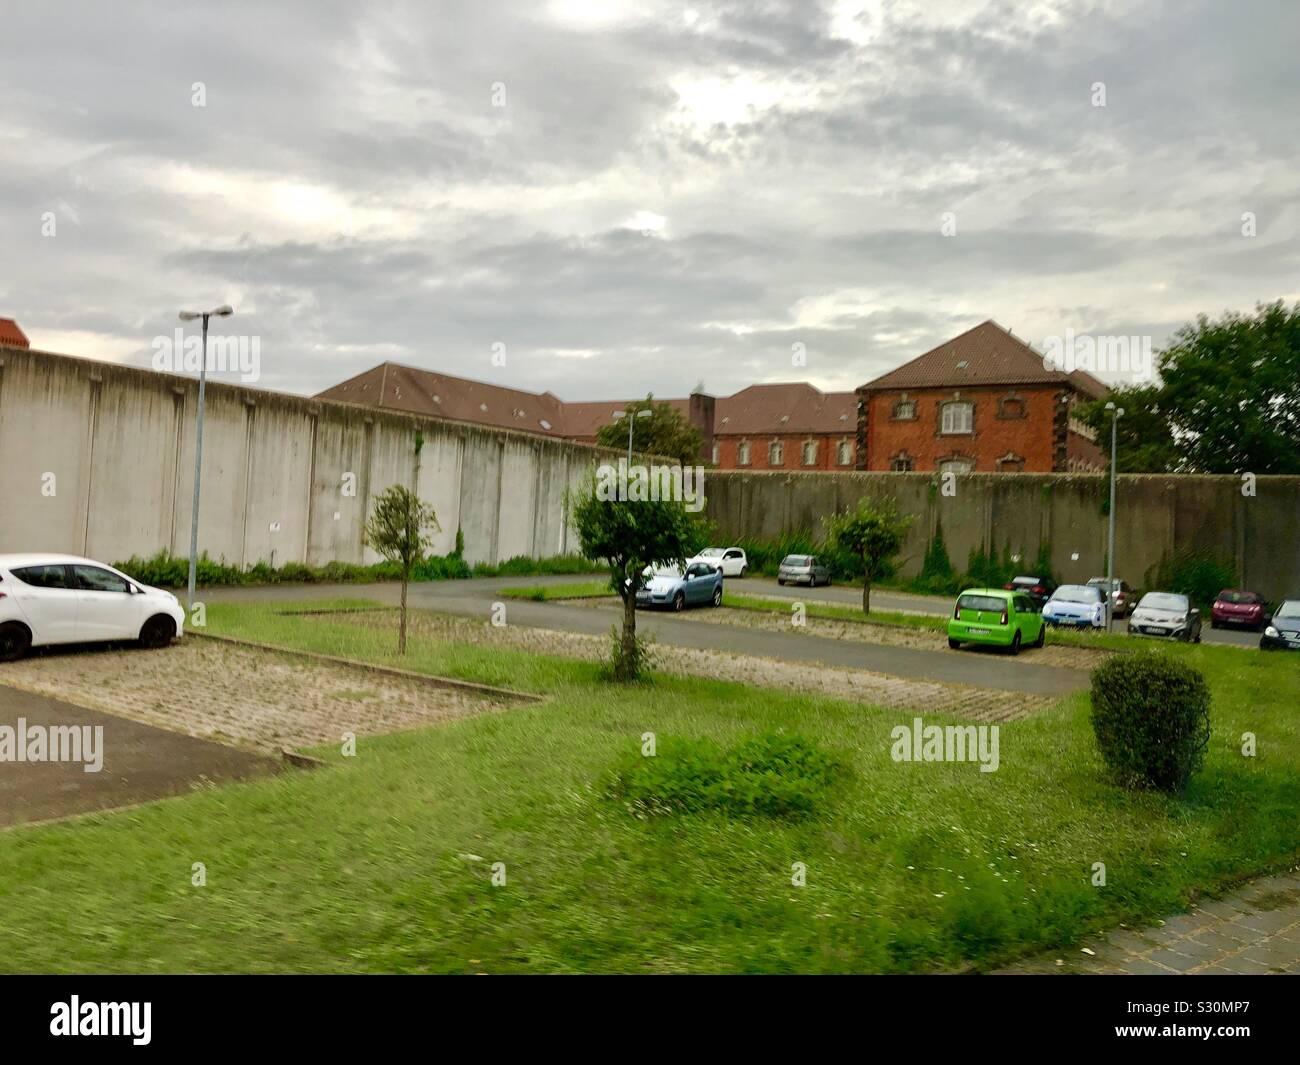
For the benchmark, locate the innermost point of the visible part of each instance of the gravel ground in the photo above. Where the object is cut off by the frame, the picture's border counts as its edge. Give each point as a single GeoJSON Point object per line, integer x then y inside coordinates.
{"type": "Point", "coordinates": [251, 698]}
{"type": "Point", "coordinates": [859, 686]}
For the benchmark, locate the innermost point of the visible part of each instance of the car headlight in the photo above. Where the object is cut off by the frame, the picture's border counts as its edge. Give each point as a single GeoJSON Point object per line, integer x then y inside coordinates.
{"type": "Point", "coordinates": [1271, 631]}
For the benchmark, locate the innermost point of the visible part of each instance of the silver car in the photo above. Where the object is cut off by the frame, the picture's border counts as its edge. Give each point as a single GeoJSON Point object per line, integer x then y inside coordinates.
{"type": "Point", "coordinates": [803, 569]}
{"type": "Point", "coordinates": [1166, 614]}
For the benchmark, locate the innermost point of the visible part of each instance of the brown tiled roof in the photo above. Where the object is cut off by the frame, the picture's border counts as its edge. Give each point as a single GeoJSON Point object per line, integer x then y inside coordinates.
{"type": "Point", "coordinates": [583, 420]}
{"type": "Point", "coordinates": [405, 388]}
{"type": "Point", "coordinates": [797, 407]}
{"type": "Point", "coordinates": [985, 355]}
{"type": "Point", "coordinates": [11, 335]}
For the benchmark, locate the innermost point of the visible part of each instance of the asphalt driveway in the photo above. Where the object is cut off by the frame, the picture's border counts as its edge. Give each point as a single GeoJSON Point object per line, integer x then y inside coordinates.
{"type": "Point", "coordinates": [475, 598]}
{"type": "Point", "coordinates": [140, 763]}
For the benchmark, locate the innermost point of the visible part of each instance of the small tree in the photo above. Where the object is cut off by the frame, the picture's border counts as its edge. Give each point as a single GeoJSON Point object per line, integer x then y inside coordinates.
{"type": "Point", "coordinates": [665, 432]}
{"type": "Point", "coordinates": [628, 536]}
{"type": "Point", "coordinates": [399, 530]}
{"type": "Point", "coordinates": [873, 535]}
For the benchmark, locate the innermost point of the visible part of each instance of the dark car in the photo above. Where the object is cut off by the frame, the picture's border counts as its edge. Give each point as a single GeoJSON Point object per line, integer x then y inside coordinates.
{"type": "Point", "coordinates": [1039, 589]}
{"type": "Point", "coordinates": [1283, 632]}
{"type": "Point", "coordinates": [1233, 606]}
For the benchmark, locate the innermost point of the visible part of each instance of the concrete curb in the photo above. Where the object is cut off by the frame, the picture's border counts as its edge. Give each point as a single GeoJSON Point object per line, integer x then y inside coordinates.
{"type": "Point", "coordinates": [484, 690]}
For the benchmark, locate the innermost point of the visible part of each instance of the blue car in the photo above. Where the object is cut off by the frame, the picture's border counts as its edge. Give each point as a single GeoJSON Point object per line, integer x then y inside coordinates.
{"type": "Point", "coordinates": [671, 587]}
{"type": "Point", "coordinates": [1079, 605]}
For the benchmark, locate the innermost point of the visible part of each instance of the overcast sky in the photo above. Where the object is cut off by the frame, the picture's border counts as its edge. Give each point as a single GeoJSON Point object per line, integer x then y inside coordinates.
{"type": "Point", "coordinates": [672, 192]}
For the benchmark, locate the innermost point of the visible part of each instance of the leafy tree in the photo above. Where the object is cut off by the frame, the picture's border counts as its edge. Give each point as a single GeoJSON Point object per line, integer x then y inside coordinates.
{"type": "Point", "coordinates": [665, 432]}
{"type": "Point", "coordinates": [628, 536]}
{"type": "Point", "coordinates": [872, 534]}
{"type": "Point", "coordinates": [1232, 388]}
{"type": "Point", "coordinates": [1145, 439]}
{"type": "Point", "coordinates": [1227, 399]}
{"type": "Point", "coordinates": [399, 530]}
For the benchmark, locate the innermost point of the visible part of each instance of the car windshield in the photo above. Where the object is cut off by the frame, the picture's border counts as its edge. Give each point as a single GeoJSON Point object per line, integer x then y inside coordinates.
{"type": "Point", "coordinates": [1102, 582]}
{"type": "Point", "coordinates": [665, 571]}
{"type": "Point", "coordinates": [1164, 601]}
{"type": "Point", "coordinates": [1289, 609]}
{"type": "Point", "coordinates": [796, 560]}
{"type": "Point", "coordinates": [712, 552]}
{"type": "Point", "coordinates": [1077, 593]}
{"type": "Point", "coordinates": [1238, 597]}
{"type": "Point", "coordinates": [1026, 580]}
{"type": "Point", "coordinates": [981, 602]}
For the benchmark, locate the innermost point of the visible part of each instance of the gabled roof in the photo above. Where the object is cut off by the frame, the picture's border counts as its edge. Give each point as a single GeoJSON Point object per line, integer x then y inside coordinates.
{"type": "Point", "coordinates": [985, 355]}
{"type": "Point", "coordinates": [796, 407]}
{"type": "Point", "coordinates": [11, 335]}
{"type": "Point", "coordinates": [393, 387]}
{"type": "Point", "coordinates": [584, 420]}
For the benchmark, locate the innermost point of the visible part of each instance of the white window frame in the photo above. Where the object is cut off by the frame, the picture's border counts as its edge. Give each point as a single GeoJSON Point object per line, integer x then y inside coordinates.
{"type": "Point", "coordinates": [957, 466]}
{"type": "Point", "coordinates": [809, 460]}
{"type": "Point", "coordinates": [742, 453]}
{"type": "Point", "coordinates": [844, 453]}
{"type": "Point", "coordinates": [776, 453]}
{"type": "Point", "coordinates": [947, 423]}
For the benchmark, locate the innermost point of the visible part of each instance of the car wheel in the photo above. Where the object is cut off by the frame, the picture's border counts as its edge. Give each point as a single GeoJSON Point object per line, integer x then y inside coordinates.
{"type": "Point", "coordinates": [780, 582]}
{"type": "Point", "coordinates": [157, 631]}
{"type": "Point", "coordinates": [1213, 624]}
{"type": "Point", "coordinates": [743, 571]}
{"type": "Point", "coordinates": [1197, 638]}
{"type": "Point", "coordinates": [812, 582]}
{"type": "Point", "coordinates": [717, 597]}
{"type": "Point", "coordinates": [679, 601]}
{"type": "Point", "coordinates": [954, 644]}
{"type": "Point", "coordinates": [1015, 643]}
{"type": "Point", "coordinates": [1042, 636]}
{"type": "Point", "coordinates": [15, 641]}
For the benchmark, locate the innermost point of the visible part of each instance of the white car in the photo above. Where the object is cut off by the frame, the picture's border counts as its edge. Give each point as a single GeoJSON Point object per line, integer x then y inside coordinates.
{"type": "Point", "coordinates": [49, 599]}
{"type": "Point", "coordinates": [731, 560]}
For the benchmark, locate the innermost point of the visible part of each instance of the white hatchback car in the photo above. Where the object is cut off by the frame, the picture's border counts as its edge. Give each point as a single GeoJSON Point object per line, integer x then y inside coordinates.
{"type": "Point", "coordinates": [48, 599]}
{"type": "Point", "coordinates": [731, 560]}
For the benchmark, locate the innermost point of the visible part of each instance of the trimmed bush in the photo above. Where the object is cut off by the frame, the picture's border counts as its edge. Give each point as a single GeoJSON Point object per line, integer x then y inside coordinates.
{"type": "Point", "coordinates": [1151, 717]}
{"type": "Point", "coordinates": [771, 775]}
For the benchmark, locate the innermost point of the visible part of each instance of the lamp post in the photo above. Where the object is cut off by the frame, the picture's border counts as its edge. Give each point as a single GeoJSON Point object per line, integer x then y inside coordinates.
{"type": "Point", "coordinates": [1116, 414]}
{"type": "Point", "coordinates": [631, 423]}
{"type": "Point", "coordinates": [224, 311]}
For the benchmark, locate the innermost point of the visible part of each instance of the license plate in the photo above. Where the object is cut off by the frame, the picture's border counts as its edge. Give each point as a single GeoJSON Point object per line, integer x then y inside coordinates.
{"type": "Point", "coordinates": [978, 632]}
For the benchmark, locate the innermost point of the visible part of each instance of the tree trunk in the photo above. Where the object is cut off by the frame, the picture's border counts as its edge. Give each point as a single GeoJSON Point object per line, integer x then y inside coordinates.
{"type": "Point", "coordinates": [866, 596]}
{"type": "Point", "coordinates": [401, 632]}
{"type": "Point", "coordinates": [625, 667]}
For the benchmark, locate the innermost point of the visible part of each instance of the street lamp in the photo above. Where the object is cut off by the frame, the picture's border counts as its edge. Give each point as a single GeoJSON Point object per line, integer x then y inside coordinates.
{"type": "Point", "coordinates": [1116, 414]}
{"type": "Point", "coordinates": [224, 311]}
{"type": "Point", "coordinates": [620, 414]}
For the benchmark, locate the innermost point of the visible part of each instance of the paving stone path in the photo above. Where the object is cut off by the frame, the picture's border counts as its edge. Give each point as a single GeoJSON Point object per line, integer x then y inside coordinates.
{"type": "Point", "coordinates": [1255, 931]}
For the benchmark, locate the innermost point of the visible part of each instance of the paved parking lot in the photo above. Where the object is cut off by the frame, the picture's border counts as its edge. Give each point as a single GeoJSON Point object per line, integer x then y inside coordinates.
{"type": "Point", "coordinates": [140, 763]}
{"type": "Point", "coordinates": [1254, 931]}
{"type": "Point", "coordinates": [260, 700]}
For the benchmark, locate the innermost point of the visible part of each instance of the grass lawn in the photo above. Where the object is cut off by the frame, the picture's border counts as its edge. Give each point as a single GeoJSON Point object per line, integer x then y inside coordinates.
{"type": "Point", "coordinates": [382, 862]}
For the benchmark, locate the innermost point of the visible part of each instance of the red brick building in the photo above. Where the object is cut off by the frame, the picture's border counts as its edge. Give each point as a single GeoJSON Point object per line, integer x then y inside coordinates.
{"type": "Point", "coordinates": [981, 402]}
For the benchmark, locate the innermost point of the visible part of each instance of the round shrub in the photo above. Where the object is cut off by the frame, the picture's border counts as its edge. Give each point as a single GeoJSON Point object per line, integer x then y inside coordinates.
{"type": "Point", "coordinates": [1151, 717]}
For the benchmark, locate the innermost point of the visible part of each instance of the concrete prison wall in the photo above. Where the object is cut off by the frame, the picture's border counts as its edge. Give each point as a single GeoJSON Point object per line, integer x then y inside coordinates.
{"type": "Point", "coordinates": [98, 459]}
{"type": "Point", "coordinates": [1156, 515]}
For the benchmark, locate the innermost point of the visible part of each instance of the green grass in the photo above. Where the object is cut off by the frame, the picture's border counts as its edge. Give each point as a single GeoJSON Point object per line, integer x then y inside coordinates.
{"type": "Point", "coordinates": [367, 865]}
{"type": "Point", "coordinates": [544, 593]}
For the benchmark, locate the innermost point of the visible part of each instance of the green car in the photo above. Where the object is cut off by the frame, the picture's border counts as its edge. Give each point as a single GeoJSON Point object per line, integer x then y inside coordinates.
{"type": "Point", "coordinates": [992, 615]}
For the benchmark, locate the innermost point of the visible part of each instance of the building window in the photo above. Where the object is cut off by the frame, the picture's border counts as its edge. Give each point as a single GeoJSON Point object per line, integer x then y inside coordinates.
{"type": "Point", "coordinates": [956, 465]}
{"type": "Point", "coordinates": [905, 410]}
{"type": "Point", "coordinates": [1011, 407]}
{"type": "Point", "coordinates": [742, 453]}
{"type": "Point", "coordinates": [958, 418]}
{"type": "Point", "coordinates": [902, 463]}
{"type": "Point", "coordinates": [845, 455]}
{"type": "Point", "coordinates": [775, 453]}
{"type": "Point", "coordinates": [717, 452]}
{"type": "Point", "coordinates": [810, 452]}
{"type": "Point", "coordinates": [1011, 463]}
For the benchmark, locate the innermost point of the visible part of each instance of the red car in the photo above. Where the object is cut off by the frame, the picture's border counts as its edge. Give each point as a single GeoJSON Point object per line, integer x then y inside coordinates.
{"type": "Point", "coordinates": [1236, 607]}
